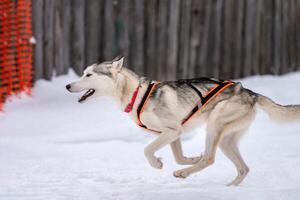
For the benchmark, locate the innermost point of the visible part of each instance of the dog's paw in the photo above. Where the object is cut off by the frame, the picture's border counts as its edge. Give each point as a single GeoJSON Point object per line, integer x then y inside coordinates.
{"type": "Point", "coordinates": [156, 163]}
{"type": "Point", "coordinates": [181, 173]}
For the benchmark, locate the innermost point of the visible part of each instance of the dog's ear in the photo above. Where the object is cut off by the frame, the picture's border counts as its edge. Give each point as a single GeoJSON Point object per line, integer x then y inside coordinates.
{"type": "Point", "coordinates": [101, 69]}
{"type": "Point", "coordinates": [117, 63]}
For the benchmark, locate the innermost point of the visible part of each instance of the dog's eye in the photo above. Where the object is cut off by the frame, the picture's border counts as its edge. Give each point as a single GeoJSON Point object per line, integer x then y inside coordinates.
{"type": "Point", "coordinates": [88, 75]}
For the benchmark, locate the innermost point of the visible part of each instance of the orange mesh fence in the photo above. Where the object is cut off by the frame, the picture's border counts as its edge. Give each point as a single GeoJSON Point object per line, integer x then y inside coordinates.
{"type": "Point", "coordinates": [15, 48]}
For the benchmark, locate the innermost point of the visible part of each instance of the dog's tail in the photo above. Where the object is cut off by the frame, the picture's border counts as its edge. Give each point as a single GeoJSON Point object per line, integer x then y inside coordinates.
{"type": "Point", "coordinates": [277, 112]}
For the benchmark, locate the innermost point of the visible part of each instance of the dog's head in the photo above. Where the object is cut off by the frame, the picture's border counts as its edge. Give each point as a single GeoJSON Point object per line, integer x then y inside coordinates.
{"type": "Point", "coordinates": [97, 79]}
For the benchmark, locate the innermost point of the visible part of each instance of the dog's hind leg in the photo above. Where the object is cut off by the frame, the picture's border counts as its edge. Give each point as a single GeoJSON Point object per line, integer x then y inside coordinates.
{"type": "Point", "coordinates": [229, 147]}
{"type": "Point", "coordinates": [222, 122]}
{"type": "Point", "coordinates": [178, 154]}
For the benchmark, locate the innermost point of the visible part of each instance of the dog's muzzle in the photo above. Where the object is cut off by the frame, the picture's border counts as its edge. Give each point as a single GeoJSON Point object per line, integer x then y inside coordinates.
{"type": "Point", "coordinates": [87, 94]}
{"type": "Point", "coordinates": [68, 87]}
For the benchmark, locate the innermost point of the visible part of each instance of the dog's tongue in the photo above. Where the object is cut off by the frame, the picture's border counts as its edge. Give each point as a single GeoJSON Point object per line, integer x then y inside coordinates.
{"type": "Point", "coordinates": [86, 95]}
{"type": "Point", "coordinates": [81, 99]}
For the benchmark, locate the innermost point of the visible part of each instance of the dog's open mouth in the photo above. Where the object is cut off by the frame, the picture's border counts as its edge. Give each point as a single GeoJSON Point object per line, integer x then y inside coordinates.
{"type": "Point", "coordinates": [86, 95]}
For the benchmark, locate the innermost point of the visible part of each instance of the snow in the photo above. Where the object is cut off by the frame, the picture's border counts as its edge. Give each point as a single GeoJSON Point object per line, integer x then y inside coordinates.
{"type": "Point", "coordinates": [53, 148]}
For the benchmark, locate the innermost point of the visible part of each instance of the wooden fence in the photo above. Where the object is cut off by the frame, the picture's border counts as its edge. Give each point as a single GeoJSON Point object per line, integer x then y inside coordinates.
{"type": "Point", "coordinates": [168, 39]}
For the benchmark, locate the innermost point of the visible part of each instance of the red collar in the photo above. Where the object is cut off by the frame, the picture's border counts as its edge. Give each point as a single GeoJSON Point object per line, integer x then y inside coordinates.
{"type": "Point", "coordinates": [133, 98]}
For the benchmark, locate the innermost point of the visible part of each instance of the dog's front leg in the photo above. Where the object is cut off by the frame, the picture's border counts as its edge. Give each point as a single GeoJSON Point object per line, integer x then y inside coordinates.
{"type": "Point", "coordinates": [178, 154]}
{"type": "Point", "coordinates": [165, 138]}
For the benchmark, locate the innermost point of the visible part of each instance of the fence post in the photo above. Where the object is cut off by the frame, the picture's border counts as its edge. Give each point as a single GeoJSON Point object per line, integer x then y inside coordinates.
{"type": "Point", "coordinates": [173, 30]}
{"type": "Point", "coordinates": [93, 30]}
{"type": "Point", "coordinates": [37, 17]}
{"type": "Point", "coordinates": [66, 34]}
{"type": "Point", "coordinates": [78, 39]}
{"type": "Point", "coordinates": [48, 39]}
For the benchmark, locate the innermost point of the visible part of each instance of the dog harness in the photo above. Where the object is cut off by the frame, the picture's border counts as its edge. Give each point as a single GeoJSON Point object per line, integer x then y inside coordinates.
{"type": "Point", "coordinates": [203, 101]}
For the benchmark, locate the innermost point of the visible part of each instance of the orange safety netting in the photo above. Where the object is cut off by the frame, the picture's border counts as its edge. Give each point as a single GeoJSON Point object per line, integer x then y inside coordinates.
{"type": "Point", "coordinates": [15, 48]}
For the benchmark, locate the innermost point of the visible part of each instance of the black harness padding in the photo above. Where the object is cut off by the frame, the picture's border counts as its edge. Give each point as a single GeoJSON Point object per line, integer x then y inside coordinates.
{"type": "Point", "coordinates": [190, 82]}
{"type": "Point", "coordinates": [204, 80]}
{"type": "Point", "coordinates": [143, 101]}
{"type": "Point", "coordinates": [213, 92]}
{"type": "Point", "coordinates": [197, 91]}
{"type": "Point", "coordinates": [205, 99]}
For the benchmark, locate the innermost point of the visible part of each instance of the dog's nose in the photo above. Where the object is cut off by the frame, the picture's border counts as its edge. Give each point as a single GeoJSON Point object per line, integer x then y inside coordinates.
{"type": "Point", "coordinates": [68, 86]}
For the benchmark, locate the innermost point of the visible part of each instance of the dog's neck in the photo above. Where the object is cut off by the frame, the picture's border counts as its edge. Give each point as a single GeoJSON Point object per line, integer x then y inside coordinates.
{"type": "Point", "coordinates": [126, 83]}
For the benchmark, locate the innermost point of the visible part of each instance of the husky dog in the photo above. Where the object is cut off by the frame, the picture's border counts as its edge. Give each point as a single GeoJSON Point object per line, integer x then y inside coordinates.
{"type": "Point", "coordinates": [228, 115]}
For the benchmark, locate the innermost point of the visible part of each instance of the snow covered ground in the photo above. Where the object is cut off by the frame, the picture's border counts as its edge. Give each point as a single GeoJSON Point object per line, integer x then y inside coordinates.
{"type": "Point", "coordinates": [53, 148]}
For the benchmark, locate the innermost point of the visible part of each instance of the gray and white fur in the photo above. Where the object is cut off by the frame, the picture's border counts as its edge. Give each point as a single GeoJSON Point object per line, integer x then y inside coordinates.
{"type": "Point", "coordinates": [227, 116]}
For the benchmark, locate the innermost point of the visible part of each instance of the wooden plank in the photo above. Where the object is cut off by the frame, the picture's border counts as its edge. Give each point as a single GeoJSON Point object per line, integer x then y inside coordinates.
{"type": "Point", "coordinates": [256, 38]}
{"type": "Point", "coordinates": [109, 31]}
{"type": "Point", "coordinates": [138, 36]}
{"type": "Point", "coordinates": [263, 39]}
{"type": "Point", "coordinates": [249, 36]}
{"type": "Point", "coordinates": [37, 17]}
{"type": "Point", "coordinates": [196, 31]}
{"type": "Point", "coordinates": [292, 39]}
{"type": "Point", "coordinates": [66, 34]}
{"type": "Point", "coordinates": [172, 50]}
{"type": "Point", "coordinates": [151, 39]}
{"type": "Point", "coordinates": [78, 35]}
{"type": "Point", "coordinates": [202, 18]}
{"type": "Point", "coordinates": [184, 39]}
{"type": "Point", "coordinates": [266, 60]}
{"type": "Point", "coordinates": [238, 45]}
{"type": "Point", "coordinates": [225, 64]}
{"type": "Point", "coordinates": [204, 40]}
{"type": "Point", "coordinates": [277, 37]}
{"type": "Point", "coordinates": [122, 9]}
{"type": "Point", "coordinates": [162, 39]}
{"type": "Point", "coordinates": [210, 69]}
{"type": "Point", "coordinates": [284, 33]}
{"type": "Point", "coordinates": [123, 19]}
{"type": "Point", "coordinates": [297, 42]}
{"type": "Point", "coordinates": [58, 38]}
{"type": "Point", "coordinates": [93, 33]}
{"type": "Point", "coordinates": [217, 34]}
{"type": "Point", "coordinates": [48, 22]}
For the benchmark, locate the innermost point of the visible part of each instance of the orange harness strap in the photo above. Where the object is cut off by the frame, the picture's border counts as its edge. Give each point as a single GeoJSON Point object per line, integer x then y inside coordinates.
{"type": "Point", "coordinates": [141, 107]}
{"type": "Point", "coordinates": [207, 98]}
{"type": "Point", "coordinates": [200, 104]}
